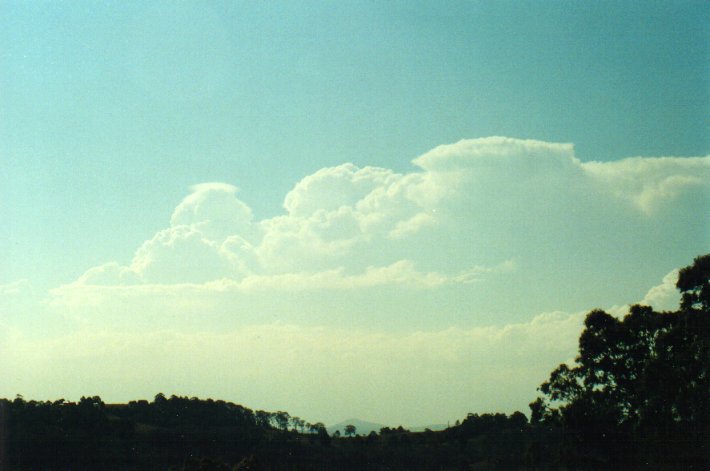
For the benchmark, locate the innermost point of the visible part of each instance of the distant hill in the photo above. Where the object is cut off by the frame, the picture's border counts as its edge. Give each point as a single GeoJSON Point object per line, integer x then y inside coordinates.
{"type": "Point", "coordinates": [362, 427]}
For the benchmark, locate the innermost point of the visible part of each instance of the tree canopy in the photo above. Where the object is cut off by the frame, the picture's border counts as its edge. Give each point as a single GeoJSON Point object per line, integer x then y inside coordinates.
{"type": "Point", "coordinates": [644, 376]}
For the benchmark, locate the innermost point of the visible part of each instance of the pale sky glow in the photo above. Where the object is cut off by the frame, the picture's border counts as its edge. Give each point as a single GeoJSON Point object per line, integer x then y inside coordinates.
{"type": "Point", "coordinates": [312, 206]}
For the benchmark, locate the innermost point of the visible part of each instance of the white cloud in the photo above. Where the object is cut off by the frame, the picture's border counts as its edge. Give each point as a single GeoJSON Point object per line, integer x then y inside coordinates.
{"type": "Point", "coordinates": [214, 210]}
{"type": "Point", "coordinates": [332, 188]}
{"type": "Point", "coordinates": [89, 293]}
{"type": "Point", "coordinates": [109, 274]}
{"type": "Point", "coordinates": [402, 272]}
{"type": "Point", "coordinates": [650, 183]}
{"type": "Point", "coordinates": [339, 212]}
{"type": "Point", "coordinates": [473, 203]}
{"type": "Point", "coordinates": [411, 226]}
{"type": "Point", "coordinates": [665, 296]}
{"type": "Point", "coordinates": [183, 254]}
{"type": "Point", "coordinates": [522, 157]}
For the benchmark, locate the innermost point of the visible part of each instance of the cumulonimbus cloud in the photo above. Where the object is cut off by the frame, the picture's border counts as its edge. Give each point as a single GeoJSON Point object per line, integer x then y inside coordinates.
{"type": "Point", "coordinates": [477, 200]}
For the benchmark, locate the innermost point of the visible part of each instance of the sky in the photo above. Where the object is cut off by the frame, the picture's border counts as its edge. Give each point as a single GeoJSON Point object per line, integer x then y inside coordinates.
{"type": "Point", "coordinates": [396, 211]}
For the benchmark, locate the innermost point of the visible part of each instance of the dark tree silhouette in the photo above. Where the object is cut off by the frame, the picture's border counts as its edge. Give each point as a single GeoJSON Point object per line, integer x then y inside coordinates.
{"type": "Point", "coordinates": [694, 284]}
{"type": "Point", "coordinates": [350, 430]}
{"type": "Point", "coordinates": [639, 383]}
{"type": "Point", "coordinates": [263, 418]}
{"type": "Point", "coordinates": [282, 419]}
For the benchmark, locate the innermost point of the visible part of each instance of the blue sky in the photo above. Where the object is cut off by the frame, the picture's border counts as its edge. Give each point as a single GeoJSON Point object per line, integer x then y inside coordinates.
{"type": "Point", "coordinates": [112, 112]}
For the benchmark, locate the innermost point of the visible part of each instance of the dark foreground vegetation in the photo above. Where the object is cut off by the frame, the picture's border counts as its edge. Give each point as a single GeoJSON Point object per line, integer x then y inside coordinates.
{"type": "Point", "coordinates": [637, 397]}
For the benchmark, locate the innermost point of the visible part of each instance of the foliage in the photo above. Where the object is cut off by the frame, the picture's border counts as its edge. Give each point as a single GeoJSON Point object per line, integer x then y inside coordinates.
{"type": "Point", "coordinates": [694, 284]}
{"type": "Point", "coordinates": [639, 383]}
{"type": "Point", "coordinates": [350, 430]}
{"type": "Point", "coordinates": [181, 433]}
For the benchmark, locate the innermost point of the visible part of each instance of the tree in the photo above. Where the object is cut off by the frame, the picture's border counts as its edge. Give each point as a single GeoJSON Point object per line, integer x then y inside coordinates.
{"type": "Point", "coordinates": [282, 418]}
{"type": "Point", "coordinates": [263, 418]}
{"type": "Point", "coordinates": [646, 375]}
{"type": "Point", "coordinates": [160, 398]}
{"type": "Point", "coordinates": [686, 351]}
{"type": "Point", "coordinates": [298, 424]}
{"type": "Point", "coordinates": [694, 284]}
{"type": "Point", "coordinates": [606, 385]}
{"type": "Point", "coordinates": [350, 430]}
{"type": "Point", "coordinates": [317, 427]}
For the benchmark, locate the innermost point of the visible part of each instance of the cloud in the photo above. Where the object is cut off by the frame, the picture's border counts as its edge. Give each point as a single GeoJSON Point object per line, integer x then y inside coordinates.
{"type": "Point", "coordinates": [650, 184]}
{"type": "Point", "coordinates": [474, 203]}
{"type": "Point", "coordinates": [214, 210]}
{"type": "Point", "coordinates": [108, 274]}
{"type": "Point", "coordinates": [84, 300]}
{"type": "Point", "coordinates": [332, 188]}
{"type": "Point", "coordinates": [339, 211]}
{"type": "Point", "coordinates": [646, 181]}
{"type": "Point", "coordinates": [665, 296]}
{"type": "Point", "coordinates": [183, 254]}
{"type": "Point", "coordinates": [494, 154]}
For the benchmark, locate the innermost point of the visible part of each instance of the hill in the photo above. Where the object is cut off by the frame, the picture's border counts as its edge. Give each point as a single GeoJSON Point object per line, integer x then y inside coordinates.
{"type": "Point", "coordinates": [362, 427]}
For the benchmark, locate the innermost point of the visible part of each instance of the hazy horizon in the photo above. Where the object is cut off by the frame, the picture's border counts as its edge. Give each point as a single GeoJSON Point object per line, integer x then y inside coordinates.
{"type": "Point", "coordinates": [397, 212]}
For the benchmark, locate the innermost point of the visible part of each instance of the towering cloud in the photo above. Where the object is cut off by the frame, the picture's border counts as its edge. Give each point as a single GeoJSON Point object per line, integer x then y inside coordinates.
{"type": "Point", "coordinates": [476, 203]}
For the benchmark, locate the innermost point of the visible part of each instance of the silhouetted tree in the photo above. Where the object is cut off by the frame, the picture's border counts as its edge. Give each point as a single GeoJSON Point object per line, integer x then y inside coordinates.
{"type": "Point", "coordinates": [694, 284]}
{"type": "Point", "coordinates": [350, 430]}
{"type": "Point", "coordinates": [319, 429]}
{"type": "Point", "coordinates": [263, 418]}
{"type": "Point", "coordinates": [298, 424]}
{"type": "Point", "coordinates": [643, 379]}
{"type": "Point", "coordinates": [282, 418]}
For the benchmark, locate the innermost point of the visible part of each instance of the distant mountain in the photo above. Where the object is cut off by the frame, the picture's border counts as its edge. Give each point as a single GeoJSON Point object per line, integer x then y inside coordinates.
{"type": "Point", "coordinates": [361, 427]}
